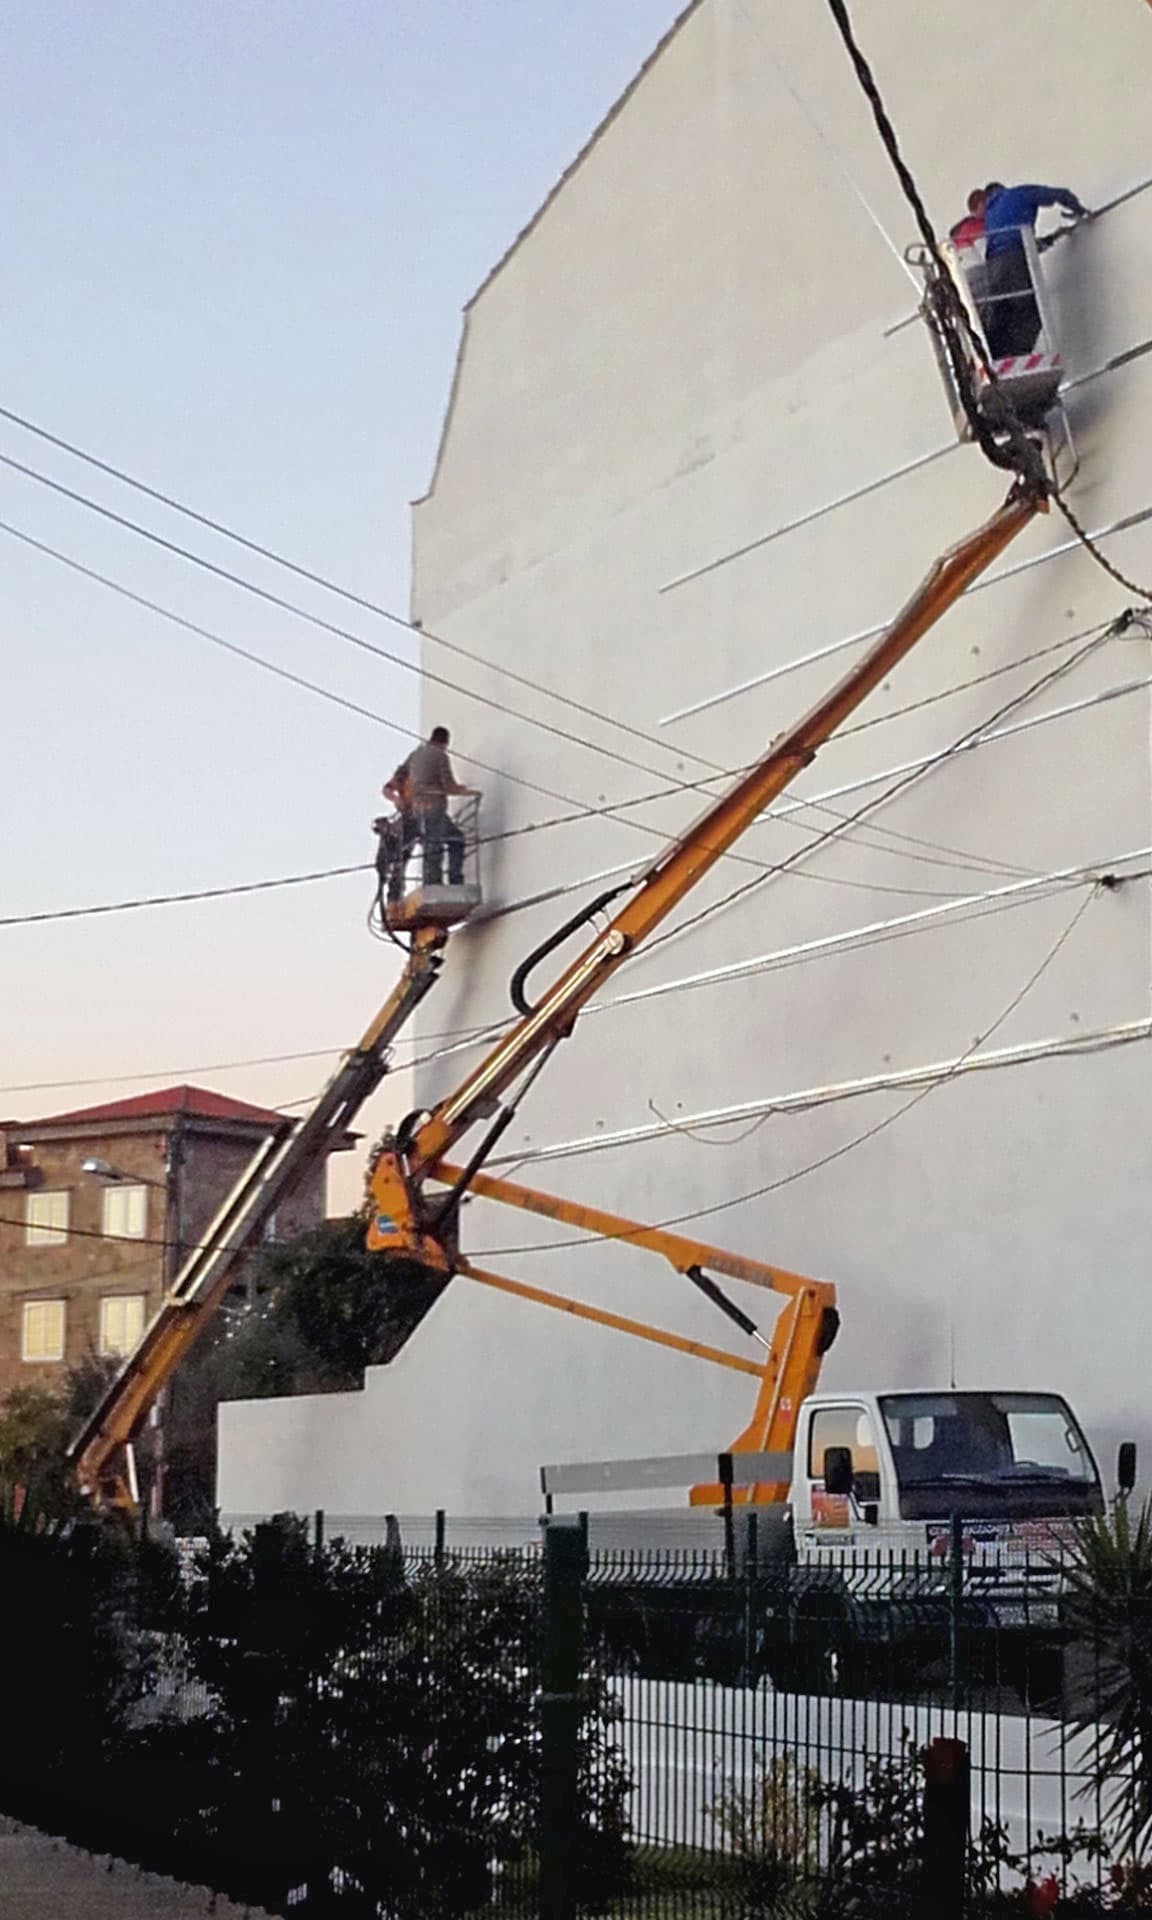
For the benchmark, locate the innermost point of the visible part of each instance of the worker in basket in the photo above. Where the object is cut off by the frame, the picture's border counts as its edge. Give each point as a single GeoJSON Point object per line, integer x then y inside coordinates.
{"type": "Point", "coordinates": [397, 832]}
{"type": "Point", "coordinates": [969, 232]}
{"type": "Point", "coordinates": [433, 785]}
{"type": "Point", "coordinates": [1008, 310]}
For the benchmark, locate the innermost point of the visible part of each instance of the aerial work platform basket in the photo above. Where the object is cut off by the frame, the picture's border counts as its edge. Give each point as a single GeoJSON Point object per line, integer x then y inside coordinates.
{"type": "Point", "coordinates": [428, 862]}
{"type": "Point", "coordinates": [1007, 306]}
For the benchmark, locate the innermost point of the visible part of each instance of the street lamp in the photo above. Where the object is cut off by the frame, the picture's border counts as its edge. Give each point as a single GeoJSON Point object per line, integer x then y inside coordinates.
{"type": "Point", "coordinates": [105, 1171]}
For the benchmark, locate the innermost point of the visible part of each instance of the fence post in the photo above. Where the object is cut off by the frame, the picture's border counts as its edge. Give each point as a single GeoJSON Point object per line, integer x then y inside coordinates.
{"type": "Point", "coordinates": [752, 1600]}
{"type": "Point", "coordinates": [946, 1817]}
{"type": "Point", "coordinates": [441, 1533]}
{"type": "Point", "coordinates": [561, 1661]}
{"type": "Point", "coordinates": [956, 1608]}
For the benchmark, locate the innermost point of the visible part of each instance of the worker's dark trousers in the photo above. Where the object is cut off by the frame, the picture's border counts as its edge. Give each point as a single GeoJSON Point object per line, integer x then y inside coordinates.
{"type": "Point", "coordinates": [396, 843]}
{"type": "Point", "coordinates": [1010, 316]}
{"type": "Point", "coordinates": [440, 831]}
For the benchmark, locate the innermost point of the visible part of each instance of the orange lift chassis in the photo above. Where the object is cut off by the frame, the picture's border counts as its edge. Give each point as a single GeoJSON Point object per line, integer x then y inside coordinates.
{"type": "Point", "coordinates": [419, 1230]}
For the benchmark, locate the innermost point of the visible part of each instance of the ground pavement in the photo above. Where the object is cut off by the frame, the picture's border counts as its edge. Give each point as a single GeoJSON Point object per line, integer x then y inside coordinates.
{"type": "Point", "coordinates": [46, 1879]}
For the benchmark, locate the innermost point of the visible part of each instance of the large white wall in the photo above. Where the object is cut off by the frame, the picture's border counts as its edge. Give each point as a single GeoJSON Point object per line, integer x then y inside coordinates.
{"type": "Point", "coordinates": [688, 350]}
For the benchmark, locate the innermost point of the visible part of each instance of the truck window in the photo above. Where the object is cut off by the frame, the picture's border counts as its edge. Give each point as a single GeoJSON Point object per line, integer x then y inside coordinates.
{"type": "Point", "coordinates": [992, 1437]}
{"type": "Point", "coordinates": [845, 1427]}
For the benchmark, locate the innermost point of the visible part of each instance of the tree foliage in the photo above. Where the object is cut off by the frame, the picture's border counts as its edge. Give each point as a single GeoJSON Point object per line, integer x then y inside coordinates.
{"type": "Point", "coordinates": [313, 1729]}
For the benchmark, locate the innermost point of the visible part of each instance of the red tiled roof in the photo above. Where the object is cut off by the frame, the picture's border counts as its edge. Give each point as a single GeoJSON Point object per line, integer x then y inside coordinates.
{"type": "Point", "coordinates": [195, 1102]}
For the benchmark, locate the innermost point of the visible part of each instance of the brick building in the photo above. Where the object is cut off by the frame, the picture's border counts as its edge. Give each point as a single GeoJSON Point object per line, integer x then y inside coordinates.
{"type": "Point", "coordinates": [96, 1209]}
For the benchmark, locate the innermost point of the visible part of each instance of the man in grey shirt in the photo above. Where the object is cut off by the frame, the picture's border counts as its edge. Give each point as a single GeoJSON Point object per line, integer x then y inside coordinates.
{"type": "Point", "coordinates": [433, 782]}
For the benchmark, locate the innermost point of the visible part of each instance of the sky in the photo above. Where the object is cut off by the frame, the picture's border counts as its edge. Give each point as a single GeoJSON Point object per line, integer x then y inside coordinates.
{"type": "Point", "coordinates": [236, 255]}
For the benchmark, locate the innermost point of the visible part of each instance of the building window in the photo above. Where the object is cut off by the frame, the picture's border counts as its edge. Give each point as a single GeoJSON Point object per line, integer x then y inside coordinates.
{"type": "Point", "coordinates": [42, 1332]}
{"type": "Point", "coordinates": [126, 1212]}
{"type": "Point", "coordinates": [46, 1219]}
{"type": "Point", "coordinates": [121, 1322]}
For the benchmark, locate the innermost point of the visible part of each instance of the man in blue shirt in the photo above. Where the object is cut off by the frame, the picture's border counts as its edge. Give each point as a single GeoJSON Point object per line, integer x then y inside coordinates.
{"type": "Point", "coordinates": [1011, 318]}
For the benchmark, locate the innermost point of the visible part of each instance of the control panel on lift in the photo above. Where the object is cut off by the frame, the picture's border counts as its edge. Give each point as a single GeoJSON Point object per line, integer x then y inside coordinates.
{"type": "Point", "coordinates": [1013, 355]}
{"type": "Point", "coordinates": [428, 862]}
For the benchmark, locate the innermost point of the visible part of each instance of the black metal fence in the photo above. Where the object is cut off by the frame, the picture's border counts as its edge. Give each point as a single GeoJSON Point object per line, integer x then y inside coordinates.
{"type": "Point", "coordinates": [367, 1730]}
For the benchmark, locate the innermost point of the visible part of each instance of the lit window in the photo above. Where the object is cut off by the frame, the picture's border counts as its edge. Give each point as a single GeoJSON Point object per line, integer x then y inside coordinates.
{"type": "Point", "coordinates": [121, 1322]}
{"type": "Point", "coordinates": [46, 1219]}
{"type": "Point", "coordinates": [42, 1333]}
{"type": "Point", "coordinates": [126, 1212]}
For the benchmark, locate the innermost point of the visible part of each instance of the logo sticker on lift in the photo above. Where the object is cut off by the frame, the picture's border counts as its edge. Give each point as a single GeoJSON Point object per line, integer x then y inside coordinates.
{"type": "Point", "coordinates": [385, 1224]}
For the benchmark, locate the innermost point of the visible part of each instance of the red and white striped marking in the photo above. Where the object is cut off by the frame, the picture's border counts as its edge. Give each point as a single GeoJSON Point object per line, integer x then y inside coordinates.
{"type": "Point", "coordinates": [1027, 363]}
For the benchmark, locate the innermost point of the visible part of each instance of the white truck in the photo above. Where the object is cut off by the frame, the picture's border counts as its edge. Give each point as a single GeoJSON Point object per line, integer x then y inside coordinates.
{"type": "Point", "coordinates": [910, 1516]}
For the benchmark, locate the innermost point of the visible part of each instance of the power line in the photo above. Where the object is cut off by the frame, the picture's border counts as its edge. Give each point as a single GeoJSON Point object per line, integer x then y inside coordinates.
{"type": "Point", "coordinates": [765, 870]}
{"type": "Point", "coordinates": [837, 1153]}
{"type": "Point", "coordinates": [946, 311]}
{"type": "Point", "coordinates": [284, 605]}
{"type": "Point", "coordinates": [177, 899]}
{"type": "Point", "coordinates": [258, 660]}
{"type": "Point", "coordinates": [334, 586]}
{"type": "Point", "coordinates": [465, 1038]}
{"type": "Point", "coordinates": [610, 810]}
{"type": "Point", "coordinates": [615, 810]}
{"type": "Point", "coordinates": [932, 764]}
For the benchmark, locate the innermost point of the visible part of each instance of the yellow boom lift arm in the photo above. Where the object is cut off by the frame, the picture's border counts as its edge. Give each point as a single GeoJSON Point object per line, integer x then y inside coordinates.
{"type": "Point", "coordinates": [101, 1453]}
{"type": "Point", "coordinates": [419, 1230]}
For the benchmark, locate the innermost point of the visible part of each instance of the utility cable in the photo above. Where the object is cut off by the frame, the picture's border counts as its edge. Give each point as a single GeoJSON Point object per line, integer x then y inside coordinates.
{"type": "Point", "coordinates": [945, 311]}
{"type": "Point", "coordinates": [698, 1213]}
{"type": "Point", "coordinates": [329, 585]}
{"type": "Point", "coordinates": [837, 1153]}
{"type": "Point", "coordinates": [580, 811]}
{"type": "Point", "coordinates": [1095, 551]}
{"type": "Point", "coordinates": [346, 634]}
{"type": "Point", "coordinates": [258, 660]}
{"type": "Point", "coordinates": [610, 810]}
{"type": "Point", "coordinates": [477, 1034]}
{"type": "Point", "coordinates": [889, 793]}
{"type": "Point", "coordinates": [765, 870]}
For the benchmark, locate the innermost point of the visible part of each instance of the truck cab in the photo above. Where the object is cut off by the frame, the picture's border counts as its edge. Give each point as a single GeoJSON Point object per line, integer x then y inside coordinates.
{"type": "Point", "coordinates": [873, 1472]}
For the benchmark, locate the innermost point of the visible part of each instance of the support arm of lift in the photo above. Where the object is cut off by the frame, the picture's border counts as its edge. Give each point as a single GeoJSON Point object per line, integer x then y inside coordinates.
{"type": "Point", "coordinates": [101, 1453]}
{"type": "Point", "coordinates": [790, 1366]}
{"type": "Point", "coordinates": [404, 1221]}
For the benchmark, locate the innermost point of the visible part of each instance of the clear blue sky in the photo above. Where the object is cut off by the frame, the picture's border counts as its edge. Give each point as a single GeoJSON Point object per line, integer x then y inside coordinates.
{"type": "Point", "coordinates": [238, 237]}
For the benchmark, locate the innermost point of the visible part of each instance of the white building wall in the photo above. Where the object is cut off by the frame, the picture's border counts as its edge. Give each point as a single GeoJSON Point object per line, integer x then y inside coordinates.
{"type": "Point", "coordinates": [689, 349]}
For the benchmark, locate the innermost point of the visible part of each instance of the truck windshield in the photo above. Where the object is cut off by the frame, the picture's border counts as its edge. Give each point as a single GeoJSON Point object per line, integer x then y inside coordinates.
{"type": "Point", "coordinates": [997, 1439]}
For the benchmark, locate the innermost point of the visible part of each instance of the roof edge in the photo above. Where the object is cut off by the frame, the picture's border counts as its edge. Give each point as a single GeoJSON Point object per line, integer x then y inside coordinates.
{"type": "Point", "coordinates": [518, 240]}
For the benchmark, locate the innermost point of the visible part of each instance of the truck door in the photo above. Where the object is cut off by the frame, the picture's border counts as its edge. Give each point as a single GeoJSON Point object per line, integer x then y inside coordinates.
{"type": "Point", "coordinates": [835, 1519]}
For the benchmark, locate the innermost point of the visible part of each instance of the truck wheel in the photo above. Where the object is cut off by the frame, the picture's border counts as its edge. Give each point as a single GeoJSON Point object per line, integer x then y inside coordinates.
{"type": "Point", "coordinates": [1039, 1678]}
{"type": "Point", "coordinates": [820, 1655]}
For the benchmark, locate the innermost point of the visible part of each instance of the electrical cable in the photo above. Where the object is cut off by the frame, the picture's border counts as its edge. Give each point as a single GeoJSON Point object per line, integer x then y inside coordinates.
{"type": "Point", "coordinates": [765, 870]}
{"type": "Point", "coordinates": [945, 311]}
{"type": "Point", "coordinates": [333, 586]}
{"type": "Point", "coordinates": [464, 1038]}
{"type": "Point", "coordinates": [1090, 546]}
{"type": "Point", "coordinates": [889, 793]}
{"type": "Point", "coordinates": [837, 1153]}
{"type": "Point", "coordinates": [698, 1213]}
{"type": "Point", "coordinates": [258, 660]}
{"type": "Point", "coordinates": [283, 605]}
{"type": "Point", "coordinates": [615, 810]}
